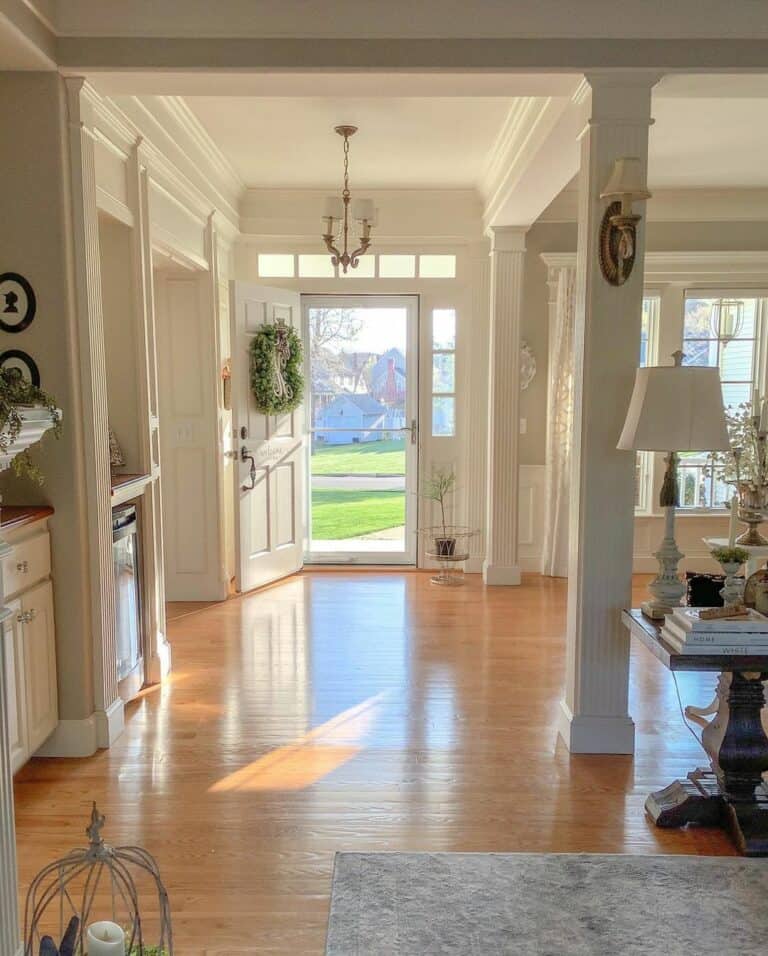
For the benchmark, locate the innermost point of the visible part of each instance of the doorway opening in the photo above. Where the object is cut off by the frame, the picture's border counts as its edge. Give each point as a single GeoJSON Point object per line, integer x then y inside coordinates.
{"type": "Point", "coordinates": [362, 371]}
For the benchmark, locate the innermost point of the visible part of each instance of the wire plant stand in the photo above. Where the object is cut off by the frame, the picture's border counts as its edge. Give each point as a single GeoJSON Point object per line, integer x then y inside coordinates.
{"type": "Point", "coordinates": [101, 877]}
{"type": "Point", "coordinates": [449, 546]}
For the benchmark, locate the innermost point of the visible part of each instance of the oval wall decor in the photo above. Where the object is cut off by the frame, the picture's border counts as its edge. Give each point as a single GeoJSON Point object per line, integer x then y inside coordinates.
{"type": "Point", "coordinates": [18, 303]}
{"type": "Point", "coordinates": [26, 365]}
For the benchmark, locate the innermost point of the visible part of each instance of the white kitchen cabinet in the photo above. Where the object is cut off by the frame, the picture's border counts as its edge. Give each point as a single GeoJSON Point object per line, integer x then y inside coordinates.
{"type": "Point", "coordinates": [13, 652]}
{"type": "Point", "coordinates": [28, 643]}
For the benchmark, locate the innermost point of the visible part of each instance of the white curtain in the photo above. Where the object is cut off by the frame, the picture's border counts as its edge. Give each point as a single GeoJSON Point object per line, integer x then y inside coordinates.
{"type": "Point", "coordinates": [560, 411]}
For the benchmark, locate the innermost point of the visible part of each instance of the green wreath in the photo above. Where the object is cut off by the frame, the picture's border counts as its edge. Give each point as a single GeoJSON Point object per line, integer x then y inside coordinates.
{"type": "Point", "coordinates": [277, 380]}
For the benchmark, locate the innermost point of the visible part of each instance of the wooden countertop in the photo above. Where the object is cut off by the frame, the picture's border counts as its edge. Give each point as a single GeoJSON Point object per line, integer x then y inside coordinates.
{"type": "Point", "coordinates": [648, 632]}
{"type": "Point", "coordinates": [16, 516]}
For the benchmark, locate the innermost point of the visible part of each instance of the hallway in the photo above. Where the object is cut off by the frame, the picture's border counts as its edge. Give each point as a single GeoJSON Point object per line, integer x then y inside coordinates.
{"type": "Point", "coordinates": [343, 710]}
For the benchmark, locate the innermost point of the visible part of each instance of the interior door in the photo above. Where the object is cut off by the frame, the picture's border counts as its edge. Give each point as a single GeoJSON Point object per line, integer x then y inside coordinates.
{"type": "Point", "coordinates": [269, 477]}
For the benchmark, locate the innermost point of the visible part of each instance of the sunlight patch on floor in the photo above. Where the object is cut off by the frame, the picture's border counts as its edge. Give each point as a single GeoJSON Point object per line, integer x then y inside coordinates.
{"type": "Point", "coordinates": [309, 758]}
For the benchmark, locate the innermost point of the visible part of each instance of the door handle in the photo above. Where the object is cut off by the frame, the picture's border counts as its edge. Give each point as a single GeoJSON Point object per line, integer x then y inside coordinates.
{"type": "Point", "coordinates": [245, 456]}
{"type": "Point", "coordinates": [26, 616]}
{"type": "Point", "coordinates": [413, 428]}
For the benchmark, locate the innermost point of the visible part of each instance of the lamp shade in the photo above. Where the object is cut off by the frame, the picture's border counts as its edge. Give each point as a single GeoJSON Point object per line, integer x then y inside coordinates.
{"type": "Point", "coordinates": [676, 408]}
{"type": "Point", "coordinates": [626, 180]}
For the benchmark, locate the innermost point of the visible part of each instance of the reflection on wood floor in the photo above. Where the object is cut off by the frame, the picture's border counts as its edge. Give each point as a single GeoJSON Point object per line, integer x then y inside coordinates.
{"type": "Point", "coordinates": [349, 711]}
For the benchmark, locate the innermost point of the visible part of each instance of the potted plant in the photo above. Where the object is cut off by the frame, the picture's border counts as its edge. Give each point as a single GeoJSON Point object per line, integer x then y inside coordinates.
{"type": "Point", "coordinates": [26, 414]}
{"type": "Point", "coordinates": [437, 488]}
{"type": "Point", "coordinates": [730, 560]}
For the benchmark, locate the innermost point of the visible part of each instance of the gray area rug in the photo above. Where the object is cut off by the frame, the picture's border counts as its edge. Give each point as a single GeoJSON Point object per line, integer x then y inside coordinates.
{"type": "Point", "coordinates": [529, 904]}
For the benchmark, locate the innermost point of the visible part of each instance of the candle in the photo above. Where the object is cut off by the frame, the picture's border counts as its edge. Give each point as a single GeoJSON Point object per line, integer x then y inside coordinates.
{"type": "Point", "coordinates": [732, 525]}
{"type": "Point", "coordinates": [105, 939]}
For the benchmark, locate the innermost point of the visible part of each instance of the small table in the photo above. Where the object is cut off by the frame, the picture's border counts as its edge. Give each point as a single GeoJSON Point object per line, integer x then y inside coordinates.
{"type": "Point", "coordinates": [731, 793]}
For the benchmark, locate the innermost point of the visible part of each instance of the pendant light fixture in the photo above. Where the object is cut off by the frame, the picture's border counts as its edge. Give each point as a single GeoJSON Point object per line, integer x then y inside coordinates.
{"type": "Point", "coordinates": [727, 319]}
{"type": "Point", "coordinates": [341, 212]}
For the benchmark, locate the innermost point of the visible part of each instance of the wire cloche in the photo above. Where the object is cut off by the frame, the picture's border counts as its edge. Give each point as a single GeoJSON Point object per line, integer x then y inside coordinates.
{"type": "Point", "coordinates": [95, 881]}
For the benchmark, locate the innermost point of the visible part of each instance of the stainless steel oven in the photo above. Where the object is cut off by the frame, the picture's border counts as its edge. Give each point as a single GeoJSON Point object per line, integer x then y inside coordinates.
{"type": "Point", "coordinates": [128, 612]}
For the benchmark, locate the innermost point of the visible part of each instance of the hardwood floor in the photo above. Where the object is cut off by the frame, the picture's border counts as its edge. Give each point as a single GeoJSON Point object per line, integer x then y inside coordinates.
{"type": "Point", "coordinates": [343, 710]}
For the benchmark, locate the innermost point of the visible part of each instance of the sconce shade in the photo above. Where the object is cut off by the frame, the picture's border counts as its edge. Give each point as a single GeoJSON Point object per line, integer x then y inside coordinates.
{"type": "Point", "coordinates": [676, 408]}
{"type": "Point", "coordinates": [626, 180]}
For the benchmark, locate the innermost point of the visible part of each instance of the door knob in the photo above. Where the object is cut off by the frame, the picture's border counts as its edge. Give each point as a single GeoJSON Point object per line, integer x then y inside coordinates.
{"type": "Point", "coordinates": [26, 616]}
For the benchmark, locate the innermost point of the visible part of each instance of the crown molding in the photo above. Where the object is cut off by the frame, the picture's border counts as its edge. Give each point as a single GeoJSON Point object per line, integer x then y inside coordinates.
{"type": "Point", "coordinates": [688, 267]}
{"type": "Point", "coordinates": [526, 127]}
{"type": "Point", "coordinates": [678, 205]}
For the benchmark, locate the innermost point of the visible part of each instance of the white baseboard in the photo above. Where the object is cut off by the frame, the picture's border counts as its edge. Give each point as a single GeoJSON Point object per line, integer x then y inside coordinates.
{"type": "Point", "coordinates": [110, 723]}
{"type": "Point", "coordinates": [495, 575]}
{"type": "Point", "coordinates": [71, 738]}
{"type": "Point", "coordinates": [159, 663]}
{"type": "Point", "coordinates": [583, 734]}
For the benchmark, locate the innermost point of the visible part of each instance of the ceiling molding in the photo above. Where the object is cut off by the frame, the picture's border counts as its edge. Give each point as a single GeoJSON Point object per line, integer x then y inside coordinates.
{"type": "Point", "coordinates": [688, 267]}
{"type": "Point", "coordinates": [678, 205]}
{"type": "Point", "coordinates": [527, 124]}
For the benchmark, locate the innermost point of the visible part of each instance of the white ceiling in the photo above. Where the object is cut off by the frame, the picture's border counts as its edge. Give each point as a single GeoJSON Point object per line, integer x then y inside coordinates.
{"type": "Point", "coordinates": [439, 130]}
{"type": "Point", "coordinates": [438, 142]}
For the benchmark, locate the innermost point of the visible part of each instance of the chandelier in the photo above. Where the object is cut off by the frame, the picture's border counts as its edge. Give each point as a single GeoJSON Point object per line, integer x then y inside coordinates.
{"type": "Point", "coordinates": [726, 319]}
{"type": "Point", "coordinates": [337, 216]}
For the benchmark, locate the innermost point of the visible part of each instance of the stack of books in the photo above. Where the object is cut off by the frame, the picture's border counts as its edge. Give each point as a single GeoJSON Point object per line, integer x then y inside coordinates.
{"type": "Point", "coordinates": [687, 632]}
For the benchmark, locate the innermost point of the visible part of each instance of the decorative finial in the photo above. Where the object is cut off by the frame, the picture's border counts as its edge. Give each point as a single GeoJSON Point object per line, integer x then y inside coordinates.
{"type": "Point", "coordinates": [678, 356]}
{"type": "Point", "coordinates": [93, 831]}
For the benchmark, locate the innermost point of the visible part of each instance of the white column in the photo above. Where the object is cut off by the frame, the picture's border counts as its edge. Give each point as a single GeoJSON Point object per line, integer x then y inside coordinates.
{"type": "Point", "coordinates": [477, 406]}
{"type": "Point", "coordinates": [109, 710]}
{"type": "Point", "coordinates": [594, 717]}
{"type": "Point", "coordinates": [501, 564]}
{"type": "Point", "coordinates": [9, 914]}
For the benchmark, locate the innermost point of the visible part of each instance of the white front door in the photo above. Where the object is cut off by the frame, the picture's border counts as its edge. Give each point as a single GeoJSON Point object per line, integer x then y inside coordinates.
{"type": "Point", "coordinates": [269, 477]}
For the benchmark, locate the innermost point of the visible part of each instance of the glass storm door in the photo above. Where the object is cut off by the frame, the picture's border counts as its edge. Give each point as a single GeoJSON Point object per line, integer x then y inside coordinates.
{"type": "Point", "coordinates": [362, 363]}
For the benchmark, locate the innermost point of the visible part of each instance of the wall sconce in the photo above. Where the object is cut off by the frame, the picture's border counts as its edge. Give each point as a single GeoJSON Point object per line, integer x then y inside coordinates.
{"type": "Point", "coordinates": [619, 226]}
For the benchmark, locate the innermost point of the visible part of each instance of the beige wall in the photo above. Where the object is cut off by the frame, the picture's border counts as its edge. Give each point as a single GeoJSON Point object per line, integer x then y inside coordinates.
{"type": "Point", "coordinates": [36, 241]}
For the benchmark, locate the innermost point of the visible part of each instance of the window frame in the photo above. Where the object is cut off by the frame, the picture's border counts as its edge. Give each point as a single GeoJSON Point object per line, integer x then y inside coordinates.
{"type": "Point", "coordinates": [442, 351]}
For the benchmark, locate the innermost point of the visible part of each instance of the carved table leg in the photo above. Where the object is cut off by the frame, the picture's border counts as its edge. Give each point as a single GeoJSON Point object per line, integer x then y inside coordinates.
{"type": "Point", "coordinates": [743, 759]}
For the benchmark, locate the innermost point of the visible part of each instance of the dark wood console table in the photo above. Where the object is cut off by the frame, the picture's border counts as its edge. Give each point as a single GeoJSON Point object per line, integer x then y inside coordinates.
{"type": "Point", "coordinates": [731, 793]}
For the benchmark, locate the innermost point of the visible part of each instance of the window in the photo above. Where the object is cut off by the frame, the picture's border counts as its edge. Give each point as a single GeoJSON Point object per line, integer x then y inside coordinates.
{"type": "Point", "coordinates": [649, 325]}
{"type": "Point", "coordinates": [397, 267]}
{"type": "Point", "coordinates": [437, 267]}
{"type": "Point", "coordinates": [316, 267]}
{"type": "Point", "coordinates": [723, 331]}
{"type": "Point", "coordinates": [276, 265]}
{"type": "Point", "coordinates": [443, 373]}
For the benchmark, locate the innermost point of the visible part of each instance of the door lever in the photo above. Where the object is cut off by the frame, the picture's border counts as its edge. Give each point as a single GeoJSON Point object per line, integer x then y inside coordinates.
{"type": "Point", "coordinates": [244, 456]}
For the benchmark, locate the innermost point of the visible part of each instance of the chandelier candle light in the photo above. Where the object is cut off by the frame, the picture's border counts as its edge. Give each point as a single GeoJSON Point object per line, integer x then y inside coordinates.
{"type": "Point", "coordinates": [673, 408]}
{"type": "Point", "coordinates": [338, 212]}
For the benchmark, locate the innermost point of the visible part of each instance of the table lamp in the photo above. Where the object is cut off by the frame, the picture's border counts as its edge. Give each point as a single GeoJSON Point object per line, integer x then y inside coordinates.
{"type": "Point", "coordinates": [674, 408]}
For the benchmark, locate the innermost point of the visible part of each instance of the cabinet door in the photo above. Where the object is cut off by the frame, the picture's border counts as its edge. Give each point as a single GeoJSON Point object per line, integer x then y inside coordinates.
{"type": "Point", "coordinates": [38, 639]}
{"type": "Point", "coordinates": [15, 682]}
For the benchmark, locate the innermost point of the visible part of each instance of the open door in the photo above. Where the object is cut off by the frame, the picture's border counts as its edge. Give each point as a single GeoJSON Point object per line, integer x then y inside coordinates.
{"type": "Point", "coordinates": [269, 477]}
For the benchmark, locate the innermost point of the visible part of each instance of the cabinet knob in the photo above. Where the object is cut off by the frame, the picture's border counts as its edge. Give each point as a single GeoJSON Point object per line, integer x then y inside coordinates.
{"type": "Point", "coordinates": [26, 616]}
{"type": "Point", "coordinates": [23, 567]}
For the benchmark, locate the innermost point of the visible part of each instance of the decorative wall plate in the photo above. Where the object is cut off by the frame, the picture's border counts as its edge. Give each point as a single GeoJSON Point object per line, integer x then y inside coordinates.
{"type": "Point", "coordinates": [15, 358]}
{"type": "Point", "coordinates": [18, 303]}
{"type": "Point", "coordinates": [527, 365]}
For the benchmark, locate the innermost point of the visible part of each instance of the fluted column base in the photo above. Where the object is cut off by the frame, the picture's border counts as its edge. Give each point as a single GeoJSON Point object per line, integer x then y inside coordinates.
{"type": "Point", "coordinates": [584, 734]}
{"type": "Point", "coordinates": [498, 574]}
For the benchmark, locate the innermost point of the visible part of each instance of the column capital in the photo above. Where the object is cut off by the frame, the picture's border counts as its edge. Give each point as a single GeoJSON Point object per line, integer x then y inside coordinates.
{"type": "Point", "coordinates": [623, 99]}
{"type": "Point", "coordinates": [507, 238]}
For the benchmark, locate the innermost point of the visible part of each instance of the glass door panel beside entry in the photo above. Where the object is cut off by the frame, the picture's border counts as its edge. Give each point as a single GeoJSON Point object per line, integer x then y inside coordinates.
{"type": "Point", "coordinates": [363, 431]}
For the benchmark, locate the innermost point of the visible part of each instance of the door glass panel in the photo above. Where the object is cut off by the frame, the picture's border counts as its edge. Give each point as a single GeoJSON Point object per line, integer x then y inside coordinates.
{"type": "Point", "coordinates": [360, 401]}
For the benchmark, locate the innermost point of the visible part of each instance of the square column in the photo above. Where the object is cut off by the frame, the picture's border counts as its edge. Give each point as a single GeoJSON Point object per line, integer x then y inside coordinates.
{"type": "Point", "coordinates": [594, 716]}
{"type": "Point", "coordinates": [501, 565]}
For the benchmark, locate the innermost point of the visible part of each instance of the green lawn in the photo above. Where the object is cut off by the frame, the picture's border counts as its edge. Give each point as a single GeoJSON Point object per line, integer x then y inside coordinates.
{"type": "Point", "coordinates": [348, 514]}
{"type": "Point", "coordinates": [371, 458]}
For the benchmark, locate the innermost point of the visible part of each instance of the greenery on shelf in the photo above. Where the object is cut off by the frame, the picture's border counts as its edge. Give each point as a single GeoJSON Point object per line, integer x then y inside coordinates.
{"type": "Point", "coordinates": [277, 380]}
{"type": "Point", "coordinates": [730, 555]}
{"type": "Point", "coordinates": [437, 487]}
{"type": "Point", "coordinates": [16, 394]}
